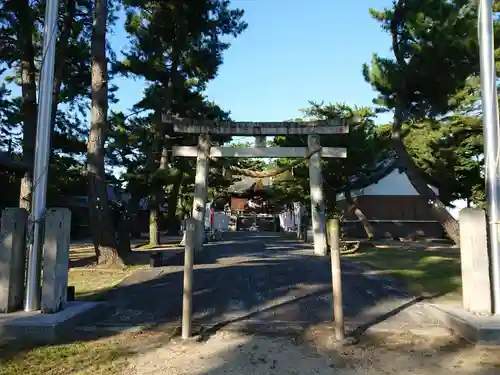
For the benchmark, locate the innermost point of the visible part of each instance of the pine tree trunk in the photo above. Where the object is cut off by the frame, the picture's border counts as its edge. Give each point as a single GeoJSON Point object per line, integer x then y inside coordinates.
{"type": "Point", "coordinates": [135, 228]}
{"type": "Point", "coordinates": [28, 93]}
{"type": "Point", "coordinates": [153, 162]}
{"type": "Point", "coordinates": [60, 60]}
{"type": "Point", "coordinates": [103, 231]}
{"type": "Point", "coordinates": [154, 233]}
{"type": "Point", "coordinates": [123, 234]}
{"type": "Point", "coordinates": [438, 209]}
{"type": "Point", "coordinates": [158, 200]}
{"type": "Point", "coordinates": [173, 199]}
{"type": "Point", "coordinates": [62, 54]}
{"type": "Point", "coordinates": [352, 207]}
{"type": "Point", "coordinates": [28, 86]}
{"type": "Point", "coordinates": [158, 160]}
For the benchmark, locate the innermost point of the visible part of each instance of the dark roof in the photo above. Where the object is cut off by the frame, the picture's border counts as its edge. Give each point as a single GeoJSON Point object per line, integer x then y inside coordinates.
{"type": "Point", "coordinates": [248, 183]}
{"type": "Point", "coordinates": [373, 173]}
{"type": "Point", "coordinates": [11, 165]}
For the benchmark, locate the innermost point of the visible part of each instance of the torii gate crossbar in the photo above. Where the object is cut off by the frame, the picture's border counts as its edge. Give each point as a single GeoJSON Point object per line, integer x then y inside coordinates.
{"type": "Point", "coordinates": [204, 151]}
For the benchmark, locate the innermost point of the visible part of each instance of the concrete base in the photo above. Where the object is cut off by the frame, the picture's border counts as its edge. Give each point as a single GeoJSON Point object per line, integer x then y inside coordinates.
{"type": "Point", "coordinates": [480, 330]}
{"type": "Point", "coordinates": [35, 326]}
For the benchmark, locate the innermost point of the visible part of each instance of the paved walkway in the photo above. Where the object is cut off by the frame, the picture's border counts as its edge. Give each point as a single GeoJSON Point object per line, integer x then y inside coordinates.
{"type": "Point", "coordinates": [261, 281]}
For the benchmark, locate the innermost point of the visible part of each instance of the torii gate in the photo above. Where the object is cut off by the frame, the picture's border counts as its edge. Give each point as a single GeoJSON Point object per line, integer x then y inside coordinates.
{"type": "Point", "coordinates": [260, 130]}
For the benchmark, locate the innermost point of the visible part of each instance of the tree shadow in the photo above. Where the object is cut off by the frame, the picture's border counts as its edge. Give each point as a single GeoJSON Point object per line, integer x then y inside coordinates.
{"type": "Point", "coordinates": [313, 352]}
{"type": "Point", "coordinates": [168, 253]}
{"type": "Point", "coordinates": [263, 278]}
{"type": "Point", "coordinates": [224, 291]}
{"type": "Point", "coordinates": [422, 268]}
{"type": "Point", "coordinates": [305, 354]}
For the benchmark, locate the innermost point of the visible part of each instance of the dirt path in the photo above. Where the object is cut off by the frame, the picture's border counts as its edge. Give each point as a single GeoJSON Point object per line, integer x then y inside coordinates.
{"type": "Point", "coordinates": [236, 353]}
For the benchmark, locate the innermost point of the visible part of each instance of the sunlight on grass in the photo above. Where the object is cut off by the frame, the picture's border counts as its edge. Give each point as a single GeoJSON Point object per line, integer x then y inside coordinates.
{"type": "Point", "coordinates": [82, 254]}
{"type": "Point", "coordinates": [426, 271]}
{"type": "Point", "coordinates": [90, 280]}
{"type": "Point", "coordinates": [90, 283]}
{"type": "Point", "coordinates": [157, 247]}
{"type": "Point", "coordinates": [105, 356]}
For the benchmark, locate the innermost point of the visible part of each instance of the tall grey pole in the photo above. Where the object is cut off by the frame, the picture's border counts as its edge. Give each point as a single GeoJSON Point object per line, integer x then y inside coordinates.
{"type": "Point", "coordinates": [490, 135]}
{"type": "Point", "coordinates": [42, 153]}
{"type": "Point", "coordinates": [187, 295]}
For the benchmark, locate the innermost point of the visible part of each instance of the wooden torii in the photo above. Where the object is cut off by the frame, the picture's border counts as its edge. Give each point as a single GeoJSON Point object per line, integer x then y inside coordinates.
{"type": "Point", "coordinates": [260, 130]}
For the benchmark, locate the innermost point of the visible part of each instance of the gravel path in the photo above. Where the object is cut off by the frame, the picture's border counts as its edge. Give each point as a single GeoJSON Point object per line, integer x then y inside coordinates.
{"type": "Point", "coordinates": [239, 354]}
{"type": "Point", "coordinates": [250, 273]}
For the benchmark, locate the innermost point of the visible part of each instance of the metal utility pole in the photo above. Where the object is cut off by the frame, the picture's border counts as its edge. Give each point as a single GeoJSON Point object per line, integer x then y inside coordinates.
{"type": "Point", "coordinates": [42, 153]}
{"type": "Point", "coordinates": [490, 134]}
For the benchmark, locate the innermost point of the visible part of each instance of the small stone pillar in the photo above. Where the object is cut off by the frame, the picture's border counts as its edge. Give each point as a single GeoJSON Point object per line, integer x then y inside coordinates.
{"type": "Point", "coordinates": [12, 259]}
{"type": "Point", "coordinates": [317, 199]}
{"type": "Point", "coordinates": [56, 260]}
{"type": "Point", "coordinates": [298, 213]}
{"type": "Point", "coordinates": [338, 309]}
{"type": "Point", "coordinates": [201, 189]}
{"type": "Point", "coordinates": [476, 285]}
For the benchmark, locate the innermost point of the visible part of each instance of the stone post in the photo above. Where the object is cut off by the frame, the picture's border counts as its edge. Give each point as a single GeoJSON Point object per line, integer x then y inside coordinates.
{"type": "Point", "coordinates": [476, 286]}
{"type": "Point", "coordinates": [317, 200]}
{"type": "Point", "coordinates": [12, 259]}
{"type": "Point", "coordinates": [201, 189]}
{"type": "Point", "coordinates": [338, 309]}
{"type": "Point", "coordinates": [56, 260]}
{"type": "Point", "coordinates": [298, 213]}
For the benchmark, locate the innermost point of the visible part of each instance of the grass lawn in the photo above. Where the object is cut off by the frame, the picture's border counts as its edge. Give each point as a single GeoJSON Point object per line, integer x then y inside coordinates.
{"type": "Point", "coordinates": [160, 247]}
{"type": "Point", "coordinates": [91, 281]}
{"type": "Point", "coordinates": [80, 354]}
{"type": "Point", "coordinates": [428, 269]}
{"type": "Point", "coordinates": [104, 356]}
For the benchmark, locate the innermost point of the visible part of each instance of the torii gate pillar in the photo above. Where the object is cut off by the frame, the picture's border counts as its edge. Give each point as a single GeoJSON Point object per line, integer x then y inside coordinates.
{"type": "Point", "coordinates": [317, 199]}
{"type": "Point", "coordinates": [201, 190]}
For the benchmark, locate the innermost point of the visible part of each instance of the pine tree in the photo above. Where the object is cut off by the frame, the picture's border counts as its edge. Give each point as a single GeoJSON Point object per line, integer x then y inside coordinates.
{"type": "Point", "coordinates": [176, 46]}
{"type": "Point", "coordinates": [435, 49]}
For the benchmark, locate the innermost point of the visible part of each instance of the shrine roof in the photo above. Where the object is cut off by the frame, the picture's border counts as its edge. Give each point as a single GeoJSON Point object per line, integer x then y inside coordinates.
{"type": "Point", "coordinates": [246, 184]}
{"type": "Point", "coordinates": [371, 174]}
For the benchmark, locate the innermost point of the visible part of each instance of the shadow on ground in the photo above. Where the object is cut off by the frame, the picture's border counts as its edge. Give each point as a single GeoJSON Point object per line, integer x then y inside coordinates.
{"type": "Point", "coordinates": [249, 278]}
{"type": "Point", "coordinates": [83, 254]}
{"type": "Point", "coordinates": [313, 353]}
{"type": "Point", "coordinates": [428, 270]}
{"type": "Point", "coordinates": [252, 277]}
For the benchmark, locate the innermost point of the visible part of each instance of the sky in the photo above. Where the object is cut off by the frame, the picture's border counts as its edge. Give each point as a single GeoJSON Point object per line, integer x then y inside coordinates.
{"type": "Point", "coordinates": [289, 54]}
